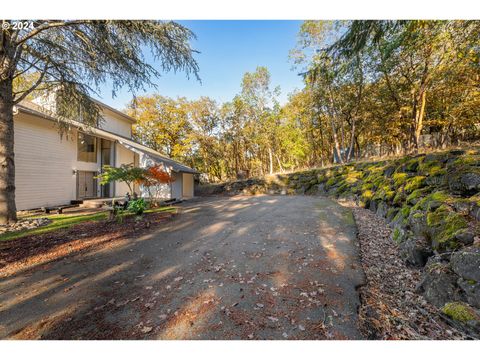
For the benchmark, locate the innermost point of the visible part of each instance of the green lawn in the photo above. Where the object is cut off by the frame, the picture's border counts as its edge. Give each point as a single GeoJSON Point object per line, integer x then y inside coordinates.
{"type": "Point", "coordinates": [63, 221]}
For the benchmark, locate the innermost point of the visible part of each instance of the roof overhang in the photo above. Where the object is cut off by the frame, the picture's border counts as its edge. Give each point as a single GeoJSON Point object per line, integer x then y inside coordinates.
{"type": "Point", "coordinates": [123, 141]}
{"type": "Point", "coordinates": [156, 157]}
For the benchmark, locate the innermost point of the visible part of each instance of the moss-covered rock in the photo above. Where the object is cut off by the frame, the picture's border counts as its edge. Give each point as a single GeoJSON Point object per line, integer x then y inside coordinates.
{"type": "Point", "coordinates": [466, 263]}
{"type": "Point", "coordinates": [417, 196]}
{"type": "Point", "coordinates": [391, 213]}
{"type": "Point", "coordinates": [444, 224]}
{"type": "Point", "coordinates": [460, 311]}
{"type": "Point", "coordinates": [397, 235]}
{"type": "Point", "coordinates": [417, 223]}
{"type": "Point", "coordinates": [401, 218]}
{"type": "Point", "coordinates": [464, 180]}
{"type": "Point", "coordinates": [415, 250]}
{"type": "Point", "coordinates": [439, 283]}
{"type": "Point", "coordinates": [399, 198]}
{"type": "Point", "coordinates": [411, 165]}
{"type": "Point", "coordinates": [414, 183]}
{"type": "Point", "coordinates": [331, 181]}
{"type": "Point", "coordinates": [367, 195]}
{"type": "Point", "coordinates": [400, 178]}
{"type": "Point", "coordinates": [432, 201]}
{"type": "Point", "coordinates": [384, 193]}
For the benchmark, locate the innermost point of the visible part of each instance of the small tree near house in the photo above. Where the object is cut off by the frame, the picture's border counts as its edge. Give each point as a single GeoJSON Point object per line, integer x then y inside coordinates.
{"type": "Point", "coordinates": [155, 177]}
{"type": "Point", "coordinates": [126, 173]}
{"type": "Point", "coordinates": [151, 178]}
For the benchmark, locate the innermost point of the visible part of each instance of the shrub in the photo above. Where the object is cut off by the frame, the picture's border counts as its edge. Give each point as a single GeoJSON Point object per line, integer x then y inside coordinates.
{"type": "Point", "coordinates": [137, 206]}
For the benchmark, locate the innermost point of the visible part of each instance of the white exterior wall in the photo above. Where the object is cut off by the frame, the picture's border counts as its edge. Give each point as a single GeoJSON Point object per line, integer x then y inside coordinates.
{"type": "Point", "coordinates": [187, 185]}
{"type": "Point", "coordinates": [44, 163]}
{"type": "Point", "coordinates": [116, 124]}
{"type": "Point", "coordinates": [123, 156]}
{"type": "Point", "coordinates": [162, 191]}
{"type": "Point", "coordinates": [177, 186]}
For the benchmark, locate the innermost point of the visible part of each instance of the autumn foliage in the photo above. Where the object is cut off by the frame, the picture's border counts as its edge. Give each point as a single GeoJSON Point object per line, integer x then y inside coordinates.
{"type": "Point", "coordinates": [155, 175]}
{"type": "Point", "coordinates": [151, 178]}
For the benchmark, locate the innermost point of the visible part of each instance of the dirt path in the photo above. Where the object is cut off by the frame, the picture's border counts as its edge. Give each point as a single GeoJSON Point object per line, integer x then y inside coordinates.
{"type": "Point", "coordinates": [262, 267]}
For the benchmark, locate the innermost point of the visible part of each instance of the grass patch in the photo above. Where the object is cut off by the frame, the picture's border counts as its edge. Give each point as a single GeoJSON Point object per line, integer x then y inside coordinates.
{"type": "Point", "coordinates": [169, 209]}
{"type": "Point", "coordinates": [59, 221]}
{"type": "Point", "coordinates": [64, 221]}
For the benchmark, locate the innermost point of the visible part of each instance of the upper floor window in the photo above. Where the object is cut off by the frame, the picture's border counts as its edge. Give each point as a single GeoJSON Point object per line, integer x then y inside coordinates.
{"type": "Point", "coordinates": [87, 148]}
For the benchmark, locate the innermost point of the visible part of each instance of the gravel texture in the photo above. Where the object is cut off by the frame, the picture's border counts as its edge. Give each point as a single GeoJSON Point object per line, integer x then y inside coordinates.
{"type": "Point", "coordinates": [243, 267]}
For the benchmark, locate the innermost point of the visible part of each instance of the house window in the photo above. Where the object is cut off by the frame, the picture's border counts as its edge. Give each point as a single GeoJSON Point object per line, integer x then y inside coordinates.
{"type": "Point", "coordinates": [87, 148]}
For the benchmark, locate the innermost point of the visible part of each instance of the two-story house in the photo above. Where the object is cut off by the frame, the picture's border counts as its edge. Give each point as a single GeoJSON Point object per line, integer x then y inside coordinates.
{"type": "Point", "coordinates": [53, 170]}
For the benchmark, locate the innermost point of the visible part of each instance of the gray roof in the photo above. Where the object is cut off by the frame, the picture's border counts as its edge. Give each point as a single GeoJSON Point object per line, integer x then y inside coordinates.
{"type": "Point", "coordinates": [156, 156]}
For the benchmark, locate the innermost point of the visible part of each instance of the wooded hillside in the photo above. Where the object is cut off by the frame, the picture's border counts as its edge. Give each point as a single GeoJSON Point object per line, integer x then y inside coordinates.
{"type": "Point", "coordinates": [371, 88]}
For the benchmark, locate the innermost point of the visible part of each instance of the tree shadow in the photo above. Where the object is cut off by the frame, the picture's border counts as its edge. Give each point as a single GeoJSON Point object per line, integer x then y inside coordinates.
{"type": "Point", "coordinates": [198, 276]}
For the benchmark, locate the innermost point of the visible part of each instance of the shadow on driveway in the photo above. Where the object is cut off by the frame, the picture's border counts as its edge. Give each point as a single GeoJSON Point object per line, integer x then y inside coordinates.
{"type": "Point", "coordinates": [243, 267]}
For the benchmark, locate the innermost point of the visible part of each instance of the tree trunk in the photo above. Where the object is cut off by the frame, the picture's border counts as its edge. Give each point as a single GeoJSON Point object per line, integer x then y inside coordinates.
{"type": "Point", "coordinates": [419, 120]}
{"type": "Point", "coordinates": [359, 153]}
{"type": "Point", "coordinates": [279, 163]}
{"type": "Point", "coordinates": [270, 161]}
{"type": "Point", "coordinates": [337, 155]}
{"type": "Point", "coordinates": [352, 142]}
{"type": "Point", "coordinates": [8, 211]}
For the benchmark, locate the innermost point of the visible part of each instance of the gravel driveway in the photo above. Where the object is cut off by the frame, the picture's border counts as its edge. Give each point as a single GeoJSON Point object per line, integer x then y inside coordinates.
{"type": "Point", "coordinates": [243, 267]}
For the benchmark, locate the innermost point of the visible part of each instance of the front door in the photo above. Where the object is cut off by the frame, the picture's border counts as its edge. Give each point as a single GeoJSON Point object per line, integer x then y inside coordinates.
{"type": "Point", "coordinates": [86, 185]}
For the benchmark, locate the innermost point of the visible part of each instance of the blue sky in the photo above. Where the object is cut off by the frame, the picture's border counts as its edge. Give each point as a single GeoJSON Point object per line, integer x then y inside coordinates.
{"type": "Point", "coordinates": [228, 49]}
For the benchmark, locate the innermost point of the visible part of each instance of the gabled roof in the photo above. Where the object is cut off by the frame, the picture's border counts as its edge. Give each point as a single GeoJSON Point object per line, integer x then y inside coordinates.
{"type": "Point", "coordinates": [34, 109]}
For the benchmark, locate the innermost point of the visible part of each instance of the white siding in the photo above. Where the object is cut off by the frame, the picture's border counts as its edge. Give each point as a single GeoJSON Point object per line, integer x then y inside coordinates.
{"type": "Point", "coordinates": [187, 186]}
{"type": "Point", "coordinates": [44, 164]}
{"type": "Point", "coordinates": [177, 187]}
{"type": "Point", "coordinates": [162, 191]}
{"type": "Point", "coordinates": [123, 156]}
{"type": "Point", "coordinates": [116, 124]}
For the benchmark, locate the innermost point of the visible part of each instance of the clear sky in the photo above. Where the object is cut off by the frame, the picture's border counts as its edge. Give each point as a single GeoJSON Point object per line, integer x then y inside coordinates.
{"type": "Point", "coordinates": [228, 49]}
